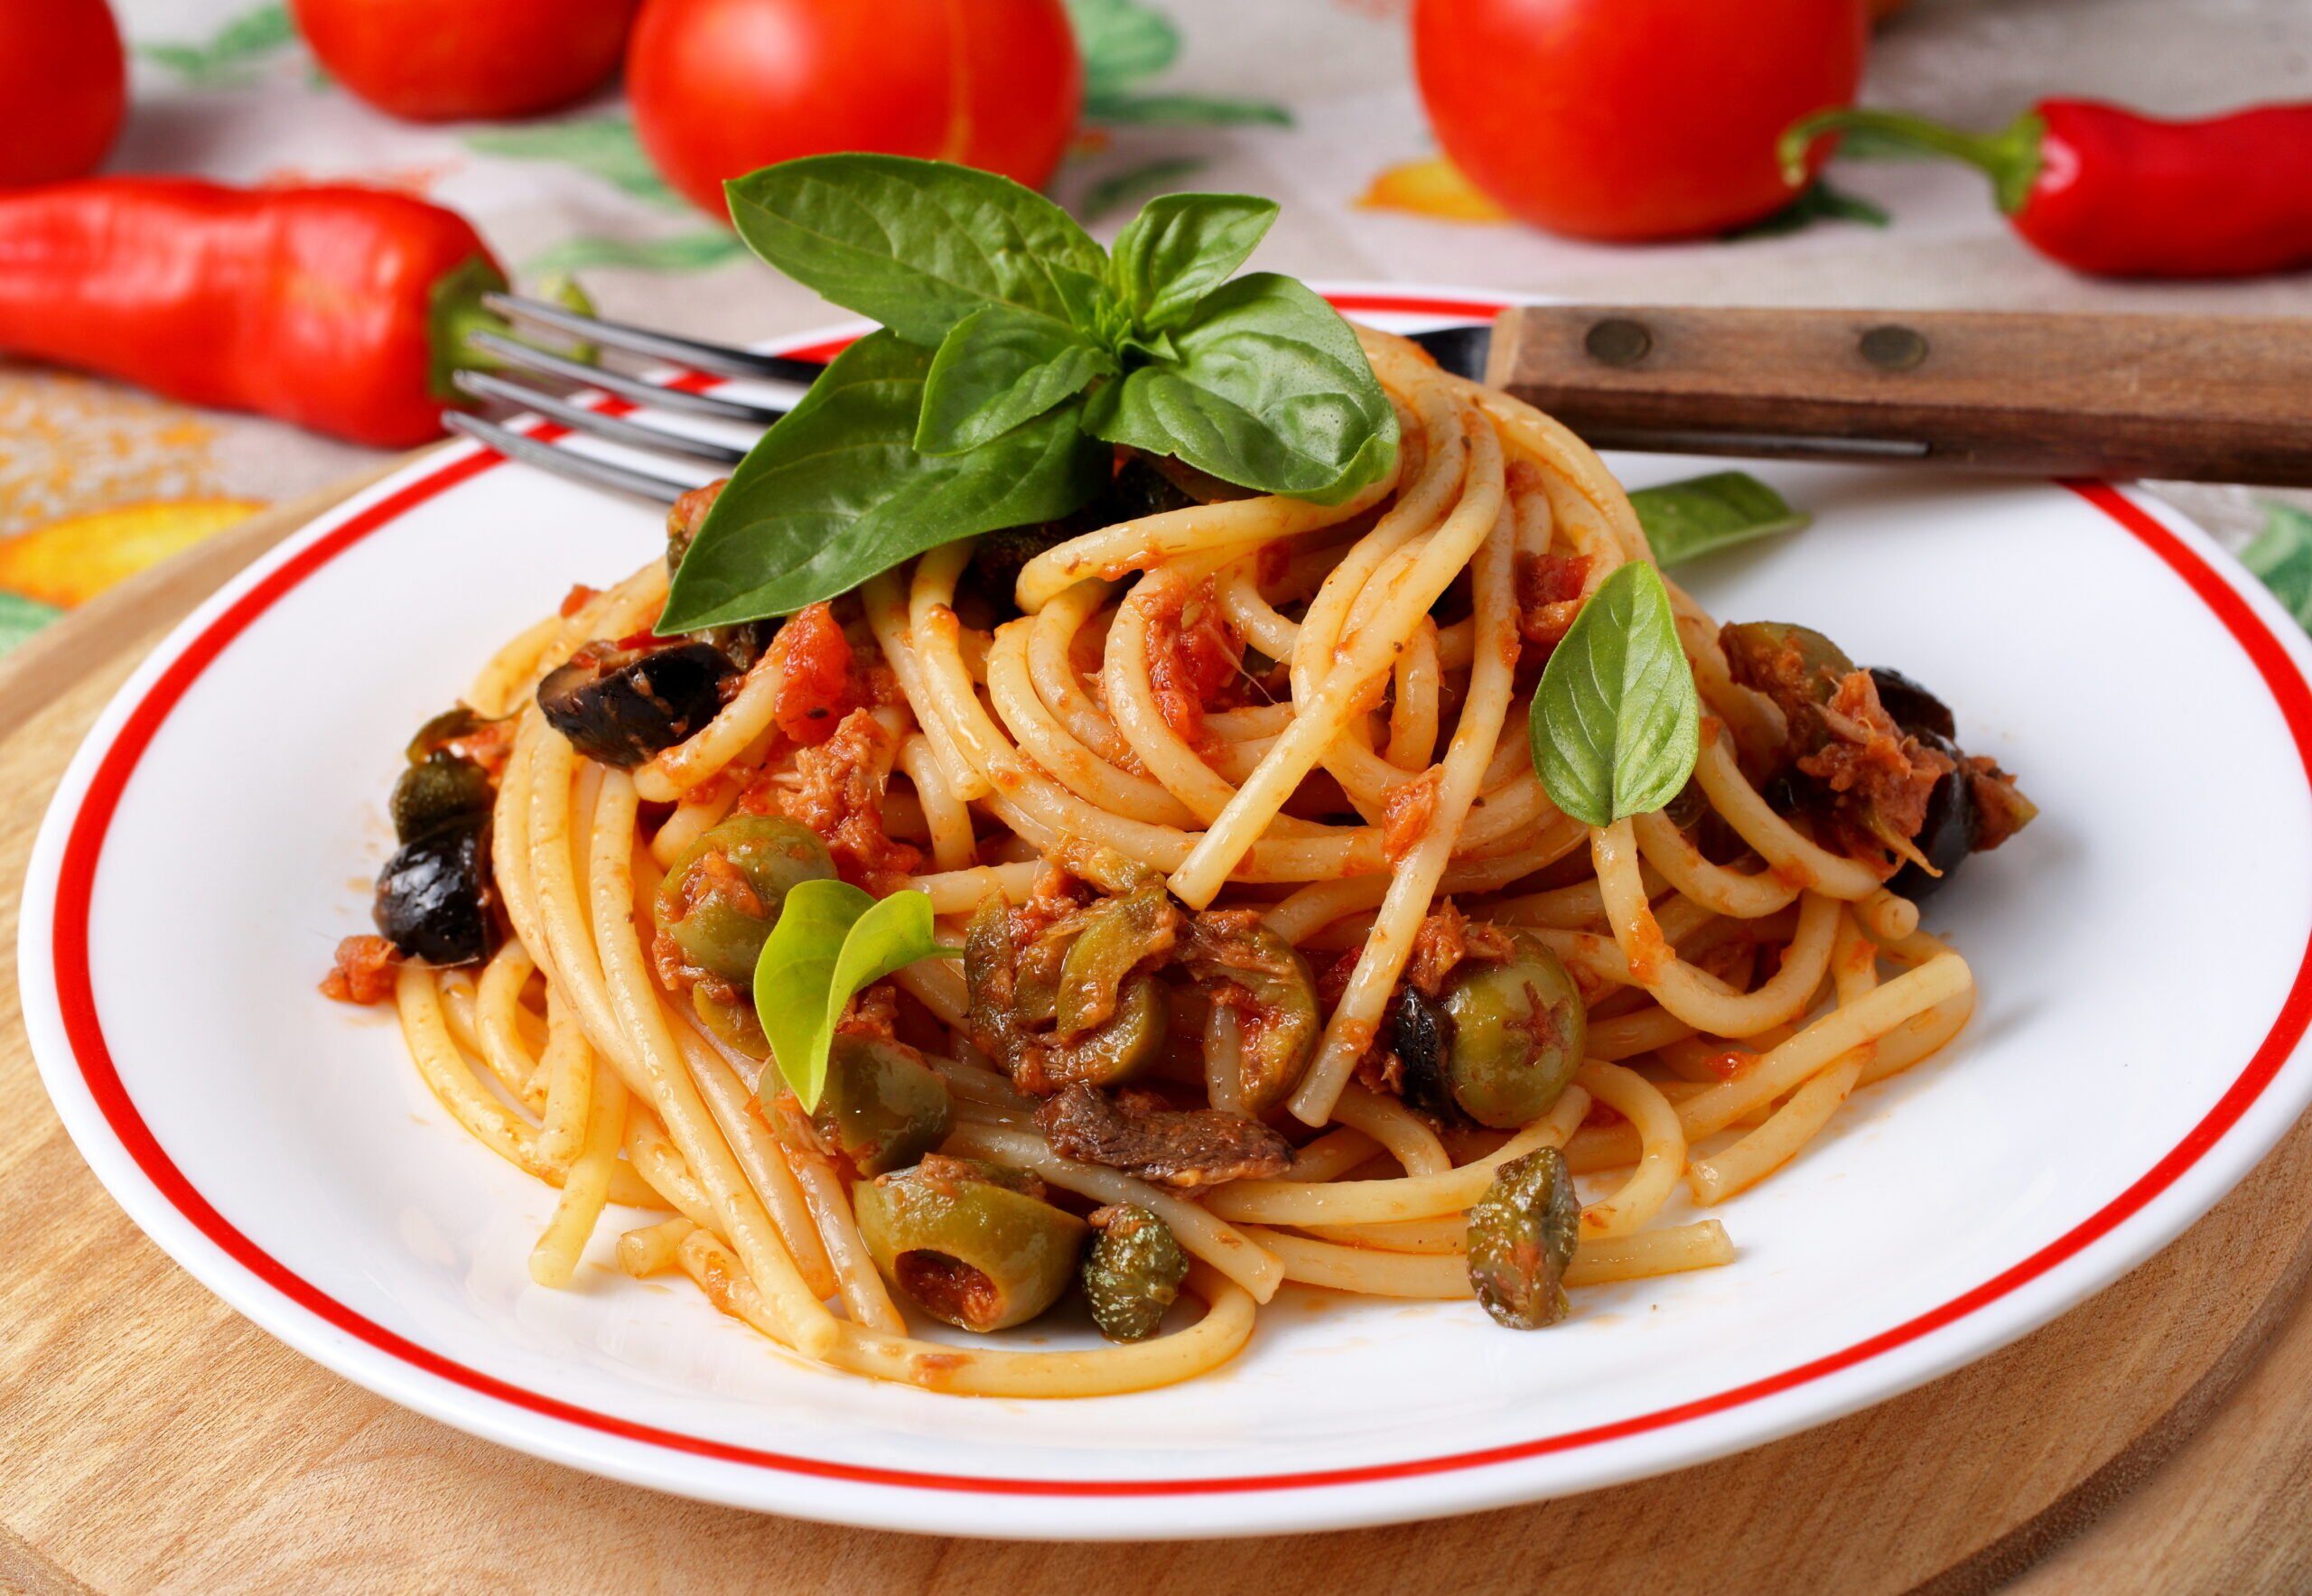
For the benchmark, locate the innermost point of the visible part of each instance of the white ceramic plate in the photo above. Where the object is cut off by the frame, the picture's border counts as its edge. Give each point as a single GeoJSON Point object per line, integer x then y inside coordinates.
{"type": "Point", "coordinates": [2142, 952]}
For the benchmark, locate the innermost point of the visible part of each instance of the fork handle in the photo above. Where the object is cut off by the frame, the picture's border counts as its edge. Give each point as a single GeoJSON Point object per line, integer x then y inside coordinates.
{"type": "Point", "coordinates": [2207, 398]}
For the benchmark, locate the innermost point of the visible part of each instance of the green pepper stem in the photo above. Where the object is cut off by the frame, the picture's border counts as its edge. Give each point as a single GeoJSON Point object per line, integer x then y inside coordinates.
{"type": "Point", "coordinates": [457, 313]}
{"type": "Point", "coordinates": [2010, 157]}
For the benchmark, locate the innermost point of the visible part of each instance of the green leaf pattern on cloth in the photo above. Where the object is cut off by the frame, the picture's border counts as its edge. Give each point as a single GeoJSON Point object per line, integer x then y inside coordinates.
{"type": "Point", "coordinates": [2281, 558]}
{"type": "Point", "coordinates": [233, 52]}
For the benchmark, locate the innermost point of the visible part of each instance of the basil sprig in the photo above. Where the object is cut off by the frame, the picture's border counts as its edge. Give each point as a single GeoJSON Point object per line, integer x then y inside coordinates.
{"type": "Point", "coordinates": [831, 940]}
{"type": "Point", "coordinates": [1015, 352]}
{"type": "Point", "coordinates": [1701, 514]}
{"type": "Point", "coordinates": [1616, 722]}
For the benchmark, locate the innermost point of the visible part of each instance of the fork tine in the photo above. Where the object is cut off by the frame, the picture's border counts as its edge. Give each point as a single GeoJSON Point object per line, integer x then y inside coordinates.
{"type": "Point", "coordinates": [627, 387]}
{"type": "Point", "coordinates": [593, 423]}
{"type": "Point", "coordinates": [718, 358]}
{"type": "Point", "coordinates": [567, 463]}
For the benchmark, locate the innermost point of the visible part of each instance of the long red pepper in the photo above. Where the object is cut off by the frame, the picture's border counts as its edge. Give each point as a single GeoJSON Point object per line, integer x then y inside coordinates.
{"type": "Point", "coordinates": [338, 308]}
{"type": "Point", "coordinates": [2114, 192]}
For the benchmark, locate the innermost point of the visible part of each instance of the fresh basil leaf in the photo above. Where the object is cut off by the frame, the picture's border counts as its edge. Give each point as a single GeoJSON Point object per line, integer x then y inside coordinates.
{"type": "Point", "coordinates": [999, 368]}
{"type": "Point", "coordinates": [832, 940]}
{"type": "Point", "coordinates": [917, 245]}
{"type": "Point", "coordinates": [1180, 248]}
{"type": "Point", "coordinates": [796, 970]}
{"type": "Point", "coordinates": [1701, 514]}
{"type": "Point", "coordinates": [1616, 722]}
{"type": "Point", "coordinates": [1271, 392]}
{"type": "Point", "coordinates": [836, 492]}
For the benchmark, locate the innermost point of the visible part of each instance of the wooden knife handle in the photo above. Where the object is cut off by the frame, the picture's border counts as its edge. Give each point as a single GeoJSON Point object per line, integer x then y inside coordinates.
{"type": "Point", "coordinates": [2208, 399]}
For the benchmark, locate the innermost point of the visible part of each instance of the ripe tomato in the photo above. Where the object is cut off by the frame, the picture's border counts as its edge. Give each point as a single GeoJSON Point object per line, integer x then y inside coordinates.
{"type": "Point", "coordinates": [440, 60]}
{"type": "Point", "coordinates": [1631, 119]}
{"type": "Point", "coordinates": [63, 86]}
{"type": "Point", "coordinates": [721, 87]}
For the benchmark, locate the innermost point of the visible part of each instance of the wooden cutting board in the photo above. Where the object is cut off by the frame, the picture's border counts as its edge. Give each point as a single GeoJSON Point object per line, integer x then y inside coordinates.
{"type": "Point", "coordinates": [2156, 1437]}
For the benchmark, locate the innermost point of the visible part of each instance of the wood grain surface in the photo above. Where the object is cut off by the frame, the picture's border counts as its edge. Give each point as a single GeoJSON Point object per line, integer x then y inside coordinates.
{"type": "Point", "coordinates": [2153, 1438]}
{"type": "Point", "coordinates": [2202, 398]}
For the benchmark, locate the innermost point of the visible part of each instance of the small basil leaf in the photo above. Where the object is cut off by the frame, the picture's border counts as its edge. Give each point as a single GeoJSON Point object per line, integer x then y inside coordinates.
{"type": "Point", "coordinates": [836, 492]}
{"type": "Point", "coordinates": [893, 934]}
{"type": "Point", "coordinates": [1271, 392]}
{"type": "Point", "coordinates": [917, 245]}
{"type": "Point", "coordinates": [1616, 725]}
{"type": "Point", "coordinates": [794, 973]}
{"type": "Point", "coordinates": [832, 940]}
{"type": "Point", "coordinates": [1180, 248]}
{"type": "Point", "coordinates": [997, 369]}
{"type": "Point", "coordinates": [1701, 514]}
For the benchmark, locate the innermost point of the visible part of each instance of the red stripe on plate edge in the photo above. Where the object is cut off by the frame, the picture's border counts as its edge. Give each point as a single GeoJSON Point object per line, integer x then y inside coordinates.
{"type": "Point", "coordinates": [83, 1030]}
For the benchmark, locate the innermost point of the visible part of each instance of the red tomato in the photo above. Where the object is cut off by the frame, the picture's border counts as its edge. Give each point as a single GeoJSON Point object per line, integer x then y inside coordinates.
{"type": "Point", "coordinates": [721, 87]}
{"type": "Point", "coordinates": [64, 85]}
{"type": "Point", "coordinates": [1631, 119]}
{"type": "Point", "coordinates": [441, 60]}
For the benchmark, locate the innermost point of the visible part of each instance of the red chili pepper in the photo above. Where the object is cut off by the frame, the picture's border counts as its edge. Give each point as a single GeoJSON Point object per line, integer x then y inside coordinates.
{"type": "Point", "coordinates": [2114, 192]}
{"type": "Point", "coordinates": [339, 309]}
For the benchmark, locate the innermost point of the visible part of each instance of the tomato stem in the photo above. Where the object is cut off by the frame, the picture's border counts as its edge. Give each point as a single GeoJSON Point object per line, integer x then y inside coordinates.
{"type": "Point", "coordinates": [2009, 157]}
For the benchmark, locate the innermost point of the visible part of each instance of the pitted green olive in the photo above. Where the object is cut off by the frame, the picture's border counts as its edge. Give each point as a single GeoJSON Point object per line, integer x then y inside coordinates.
{"type": "Point", "coordinates": [883, 1108]}
{"type": "Point", "coordinates": [731, 1016]}
{"type": "Point", "coordinates": [1116, 935]}
{"type": "Point", "coordinates": [971, 1252]}
{"type": "Point", "coordinates": [1517, 1031]}
{"type": "Point", "coordinates": [1009, 993]}
{"type": "Point", "coordinates": [1273, 996]}
{"type": "Point", "coordinates": [722, 896]}
{"type": "Point", "coordinates": [1133, 1273]}
{"type": "Point", "coordinates": [1521, 1237]}
{"type": "Point", "coordinates": [1778, 652]}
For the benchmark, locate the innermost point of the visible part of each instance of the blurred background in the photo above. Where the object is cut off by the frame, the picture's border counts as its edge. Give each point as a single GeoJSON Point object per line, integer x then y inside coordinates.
{"type": "Point", "coordinates": [1316, 103]}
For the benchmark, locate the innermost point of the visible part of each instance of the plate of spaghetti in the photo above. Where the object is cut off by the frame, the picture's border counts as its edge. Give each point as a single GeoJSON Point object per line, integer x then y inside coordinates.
{"type": "Point", "coordinates": [1289, 1009]}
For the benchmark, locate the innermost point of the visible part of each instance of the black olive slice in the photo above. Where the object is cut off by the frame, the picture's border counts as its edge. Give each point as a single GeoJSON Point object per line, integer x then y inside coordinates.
{"type": "Point", "coordinates": [435, 897]}
{"type": "Point", "coordinates": [619, 706]}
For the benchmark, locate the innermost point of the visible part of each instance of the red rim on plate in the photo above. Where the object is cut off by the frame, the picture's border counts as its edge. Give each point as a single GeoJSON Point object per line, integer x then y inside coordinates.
{"type": "Point", "coordinates": [84, 1030]}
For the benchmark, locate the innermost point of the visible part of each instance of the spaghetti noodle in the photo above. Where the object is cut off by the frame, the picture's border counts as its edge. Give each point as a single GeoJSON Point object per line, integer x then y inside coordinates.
{"type": "Point", "coordinates": [1230, 799]}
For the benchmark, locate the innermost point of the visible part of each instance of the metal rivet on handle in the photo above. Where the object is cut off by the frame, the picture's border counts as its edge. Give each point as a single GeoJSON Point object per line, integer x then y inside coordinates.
{"type": "Point", "coordinates": [1893, 347]}
{"type": "Point", "coordinates": [1618, 341]}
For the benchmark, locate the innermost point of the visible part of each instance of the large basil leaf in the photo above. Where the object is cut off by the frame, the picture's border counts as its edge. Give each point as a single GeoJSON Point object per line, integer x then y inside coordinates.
{"type": "Point", "coordinates": [1180, 248]}
{"type": "Point", "coordinates": [1616, 722]}
{"type": "Point", "coordinates": [999, 368]}
{"type": "Point", "coordinates": [835, 491]}
{"type": "Point", "coordinates": [1700, 515]}
{"type": "Point", "coordinates": [1271, 392]}
{"type": "Point", "coordinates": [917, 245]}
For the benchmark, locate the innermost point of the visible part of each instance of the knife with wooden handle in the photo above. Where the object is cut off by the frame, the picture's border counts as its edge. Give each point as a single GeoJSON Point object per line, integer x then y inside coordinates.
{"type": "Point", "coordinates": [2205, 398]}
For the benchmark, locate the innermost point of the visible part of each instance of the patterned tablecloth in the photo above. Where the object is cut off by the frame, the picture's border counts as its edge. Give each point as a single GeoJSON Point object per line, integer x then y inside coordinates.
{"type": "Point", "coordinates": [1310, 101]}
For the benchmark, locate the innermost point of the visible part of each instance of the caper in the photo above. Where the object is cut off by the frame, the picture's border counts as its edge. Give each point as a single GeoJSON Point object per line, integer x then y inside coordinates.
{"type": "Point", "coordinates": [970, 1251]}
{"type": "Point", "coordinates": [724, 894]}
{"type": "Point", "coordinates": [1133, 1273]}
{"type": "Point", "coordinates": [1518, 1031]}
{"type": "Point", "coordinates": [1277, 1028]}
{"type": "Point", "coordinates": [441, 789]}
{"type": "Point", "coordinates": [1520, 1238]}
{"type": "Point", "coordinates": [883, 1108]}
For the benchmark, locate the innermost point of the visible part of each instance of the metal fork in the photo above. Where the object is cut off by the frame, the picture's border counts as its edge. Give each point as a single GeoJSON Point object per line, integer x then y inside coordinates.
{"type": "Point", "coordinates": [1452, 346]}
{"type": "Point", "coordinates": [2208, 399]}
